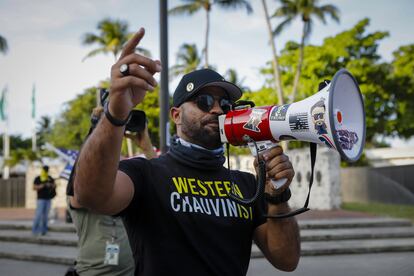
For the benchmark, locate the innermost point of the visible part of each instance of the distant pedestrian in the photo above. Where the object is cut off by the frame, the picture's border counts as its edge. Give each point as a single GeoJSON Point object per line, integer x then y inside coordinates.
{"type": "Point", "coordinates": [45, 186]}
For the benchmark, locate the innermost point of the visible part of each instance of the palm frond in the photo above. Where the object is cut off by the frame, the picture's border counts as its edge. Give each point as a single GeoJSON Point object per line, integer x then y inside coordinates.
{"type": "Point", "coordinates": [187, 9]}
{"type": "Point", "coordinates": [112, 35]}
{"type": "Point", "coordinates": [279, 28]}
{"type": "Point", "coordinates": [3, 45]}
{"type": "Point", "coordinates": [332, 10]}
{"type": "Point", "coordinates": [234, 5]}
{"type": "Point", "coordinates": [94, 53]}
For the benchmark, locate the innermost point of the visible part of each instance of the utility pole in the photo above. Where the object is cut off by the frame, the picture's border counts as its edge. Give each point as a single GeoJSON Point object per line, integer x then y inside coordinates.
{"type": "Point", "coordinates": [164, 92]}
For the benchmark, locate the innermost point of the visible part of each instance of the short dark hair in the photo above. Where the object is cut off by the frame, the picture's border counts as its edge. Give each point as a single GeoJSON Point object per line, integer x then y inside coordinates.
{"type": "Point", "coordinates": [45, 168]}
{"type": "Point", "coordinates": [320, 103]}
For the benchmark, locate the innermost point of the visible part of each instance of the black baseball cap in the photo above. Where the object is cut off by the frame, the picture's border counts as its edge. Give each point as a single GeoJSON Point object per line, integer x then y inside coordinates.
{"type": "Point", "coordinates": [192, 83]}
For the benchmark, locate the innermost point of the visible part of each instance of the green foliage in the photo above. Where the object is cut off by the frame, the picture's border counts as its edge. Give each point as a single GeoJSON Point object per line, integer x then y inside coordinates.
{"type": "Point", "coordinates": [152, 109]}
{"type": "Point", "coordinates": [20, 149]}
{"type": "Point", "coordinates": [262, 97]}
{"type": "Point", "coordinates": [386, 88]}
{"type": "Point", "coordinates": [17, 142]}
{"type": "Point", "coordinates": [19, 154]}
{"type": "Point", "coordinates": [381, 209]}
{"type": "Point", "coordinates": [44, 129]}
{"type": "Point", "coordinates": [403, 85]}
{"type": "Point", "coordinates": [72, 125]}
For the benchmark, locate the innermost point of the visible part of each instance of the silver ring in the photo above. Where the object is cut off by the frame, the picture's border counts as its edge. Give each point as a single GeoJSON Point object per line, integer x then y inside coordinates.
{"type": "Point", "coordinates": [124, 69]}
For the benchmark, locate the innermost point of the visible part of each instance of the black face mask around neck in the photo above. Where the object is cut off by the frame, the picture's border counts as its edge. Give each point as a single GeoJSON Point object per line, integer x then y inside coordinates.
{"type": "Point", "coordinates": [196, 157]}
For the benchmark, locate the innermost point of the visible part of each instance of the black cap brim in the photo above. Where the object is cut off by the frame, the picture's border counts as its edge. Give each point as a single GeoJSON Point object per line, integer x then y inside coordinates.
{"type": "Point", "coordinates": [233, 91]}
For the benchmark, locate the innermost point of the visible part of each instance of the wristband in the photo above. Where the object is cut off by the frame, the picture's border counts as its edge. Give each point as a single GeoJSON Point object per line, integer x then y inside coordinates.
{"type": "Point", "coordinates": [280, 198]}
{"type": "Point", "coordinates": [112, 120]}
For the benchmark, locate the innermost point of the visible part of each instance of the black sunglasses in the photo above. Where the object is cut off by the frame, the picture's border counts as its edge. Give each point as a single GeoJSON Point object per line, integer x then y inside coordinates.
{"type": "Point", "coordinates": [206, 102]}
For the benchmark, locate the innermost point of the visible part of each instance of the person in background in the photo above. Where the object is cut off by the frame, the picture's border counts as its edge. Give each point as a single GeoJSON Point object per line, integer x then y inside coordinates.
{"type": "Point", "coordinates": [103, 247]}
{"type": "Point", "coordinates": [45, 186]}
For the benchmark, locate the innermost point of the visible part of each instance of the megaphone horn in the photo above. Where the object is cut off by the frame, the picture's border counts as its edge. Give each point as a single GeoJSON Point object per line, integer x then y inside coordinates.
{"type": "Point", "coordinates": [334, 117]}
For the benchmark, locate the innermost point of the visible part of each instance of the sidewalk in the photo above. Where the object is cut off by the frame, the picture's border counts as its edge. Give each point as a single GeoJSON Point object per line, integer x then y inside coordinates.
{"type": "Point", "coordinates": [27, 214]}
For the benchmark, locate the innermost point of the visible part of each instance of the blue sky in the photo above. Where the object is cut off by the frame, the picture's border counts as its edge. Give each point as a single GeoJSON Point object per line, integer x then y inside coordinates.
{"type": "Point", "coordinates": [44, 37]}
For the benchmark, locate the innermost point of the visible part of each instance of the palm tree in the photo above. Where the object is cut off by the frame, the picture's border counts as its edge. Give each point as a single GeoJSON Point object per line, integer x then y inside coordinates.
{"type": "Point", "coordinates": [188, 60]}
{"type": "Point", "coordinates": [3, 45]}
{"type": "Point", "coordinates": [113, 34]}
{"type": "Point", "coordinates": [44, 129]}
{"type": "Point", "coordinates": [232, 76]}
{"type": "Point", "coordinates": [275, 62]}
{"type": "Point", "coordinates": [305, 9]}
{"type": "Point", "coordinates": [192, 6]}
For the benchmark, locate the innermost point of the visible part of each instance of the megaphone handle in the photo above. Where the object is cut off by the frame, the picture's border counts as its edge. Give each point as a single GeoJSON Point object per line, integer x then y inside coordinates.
{"type": "Point", "coordinates": [262, 147]}
{"type": "Point", "coordinates": [277, 184]}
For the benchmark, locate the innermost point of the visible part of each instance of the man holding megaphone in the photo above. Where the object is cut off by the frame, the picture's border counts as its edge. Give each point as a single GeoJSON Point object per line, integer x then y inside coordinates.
{"type": "Point", "coordinates": [176, 208]}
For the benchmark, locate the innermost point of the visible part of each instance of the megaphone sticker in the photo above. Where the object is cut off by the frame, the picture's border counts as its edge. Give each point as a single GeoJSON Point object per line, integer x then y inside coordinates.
{"type": "Point", "coordinates": [347, 139]}
{"type": "Point", "coordinates": [325, 139]}
{"type": "Point", "coordinates": [318, 116]}
{"type": "Point", "coordinates": [299, 122]}
{"type": "Point", "coordinates": [255, 119]}
{"type": "Point", "coordinates": [279, 113]}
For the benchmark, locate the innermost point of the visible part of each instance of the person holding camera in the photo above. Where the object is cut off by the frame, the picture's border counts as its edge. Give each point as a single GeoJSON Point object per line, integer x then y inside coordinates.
{"type": "Point", "coordinates": [103, 247]}
{"type": "Point", "coordinates": [45, 186]}
{"type": "Point", "coordinates": [176, 208]}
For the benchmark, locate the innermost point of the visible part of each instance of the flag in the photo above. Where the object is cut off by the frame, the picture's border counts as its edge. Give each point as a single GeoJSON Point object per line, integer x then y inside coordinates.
{"type": "Point", "coordinates": [3, 116]}
{"type": "Point", "coordinates": [65, 174]}
{"type": "Point", "coordinates": [66, 154]}
{"type": "Point", "coordinates": [34, 102]}
{"type": "Point", "coordinates": [71, 156]}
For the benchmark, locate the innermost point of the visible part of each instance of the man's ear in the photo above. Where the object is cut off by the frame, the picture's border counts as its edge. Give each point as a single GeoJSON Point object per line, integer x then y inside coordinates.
{"type": "Point", "coordinates": [175, 113]}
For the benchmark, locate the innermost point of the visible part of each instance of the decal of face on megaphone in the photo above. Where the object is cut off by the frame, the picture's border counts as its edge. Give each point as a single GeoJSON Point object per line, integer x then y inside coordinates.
{"type": "Point", "coordinates": [334, 117]}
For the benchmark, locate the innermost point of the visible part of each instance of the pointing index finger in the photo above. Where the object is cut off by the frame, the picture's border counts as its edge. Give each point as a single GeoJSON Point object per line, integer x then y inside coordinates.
{"type": "Point", "coordinates": [129, 48]}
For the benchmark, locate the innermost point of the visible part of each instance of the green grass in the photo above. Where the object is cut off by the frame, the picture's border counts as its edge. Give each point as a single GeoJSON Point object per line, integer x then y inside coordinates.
{"type": "Point", "coordinates": [381, 209]}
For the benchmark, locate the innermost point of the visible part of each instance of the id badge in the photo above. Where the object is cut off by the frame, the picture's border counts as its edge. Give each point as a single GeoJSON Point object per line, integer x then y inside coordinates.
{"type": "Point", "coordinates": [111, 253]}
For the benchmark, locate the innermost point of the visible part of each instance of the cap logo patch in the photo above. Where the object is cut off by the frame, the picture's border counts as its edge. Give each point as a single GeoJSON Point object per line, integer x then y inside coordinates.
{"type": "Point", "coordinates": [190, 87]}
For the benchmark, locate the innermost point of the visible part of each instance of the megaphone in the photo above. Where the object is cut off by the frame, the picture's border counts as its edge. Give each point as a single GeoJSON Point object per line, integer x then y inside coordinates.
{"type": "Point", "coordinates": [334, 117]}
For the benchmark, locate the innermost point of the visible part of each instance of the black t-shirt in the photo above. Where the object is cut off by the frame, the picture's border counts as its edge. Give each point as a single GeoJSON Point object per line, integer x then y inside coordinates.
{"type": "Point", "coordinates": [47, 192]}
{"type": "Point", "coordinates": [181, 221]}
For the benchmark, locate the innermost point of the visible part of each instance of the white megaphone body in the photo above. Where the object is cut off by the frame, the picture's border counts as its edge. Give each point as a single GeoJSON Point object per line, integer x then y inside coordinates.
{"type": "Point", "coordinates": [334, 117]}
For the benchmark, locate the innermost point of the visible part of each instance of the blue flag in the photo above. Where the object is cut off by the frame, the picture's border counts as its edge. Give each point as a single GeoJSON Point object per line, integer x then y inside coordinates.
{"type": "Point", "coordinates": [70, 156]}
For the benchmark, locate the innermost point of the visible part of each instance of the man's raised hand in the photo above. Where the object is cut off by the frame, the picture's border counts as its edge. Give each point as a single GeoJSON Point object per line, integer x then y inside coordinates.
{"type": "Point", "coordinates": [129, 90]}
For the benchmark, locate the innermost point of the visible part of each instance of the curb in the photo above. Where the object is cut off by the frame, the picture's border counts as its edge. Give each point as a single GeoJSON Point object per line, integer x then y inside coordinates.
{"type": "Point", "coordinates": [35, 258]}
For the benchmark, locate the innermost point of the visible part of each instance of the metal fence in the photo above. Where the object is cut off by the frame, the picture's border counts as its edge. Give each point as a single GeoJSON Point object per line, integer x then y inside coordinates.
{"type": "Point", "coordinates": [13, 192]}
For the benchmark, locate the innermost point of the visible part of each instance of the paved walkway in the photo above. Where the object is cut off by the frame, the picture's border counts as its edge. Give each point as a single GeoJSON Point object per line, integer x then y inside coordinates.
{"type": "Point", "coordinates": [381, 264]}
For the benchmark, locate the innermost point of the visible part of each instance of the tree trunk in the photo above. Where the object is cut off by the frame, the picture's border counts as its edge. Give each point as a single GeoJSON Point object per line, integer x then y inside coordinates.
{"type": "Point", "coordinates": [275, 63]}
{"type": "Point", "coordinates": [129, 147]}
{"type": "Point", "coordinates": [300, 63]}
{"type": "Point", "coordinates": [206, 38]}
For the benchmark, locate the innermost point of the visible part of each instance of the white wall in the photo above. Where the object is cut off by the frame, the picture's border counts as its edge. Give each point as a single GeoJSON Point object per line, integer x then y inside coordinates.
{"type": "Point", "coordinates": [326, 192]}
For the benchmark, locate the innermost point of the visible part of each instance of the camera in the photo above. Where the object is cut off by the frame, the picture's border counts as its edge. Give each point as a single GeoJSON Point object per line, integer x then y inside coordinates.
{"type": "Point", "coordinates": [138, 118]}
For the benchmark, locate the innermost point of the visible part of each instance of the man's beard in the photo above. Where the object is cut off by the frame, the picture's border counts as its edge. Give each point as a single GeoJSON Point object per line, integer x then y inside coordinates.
{"type": "Point", "coordinates": [200, 134]}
